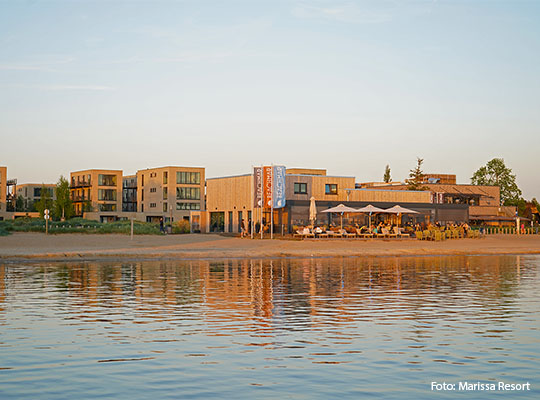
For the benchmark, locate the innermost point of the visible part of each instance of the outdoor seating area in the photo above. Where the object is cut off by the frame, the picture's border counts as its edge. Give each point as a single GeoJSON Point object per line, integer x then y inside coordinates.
{"type": "Point", "coordinates": [388, 227]}
{"type": "Point", "coordinates": [438, 233]}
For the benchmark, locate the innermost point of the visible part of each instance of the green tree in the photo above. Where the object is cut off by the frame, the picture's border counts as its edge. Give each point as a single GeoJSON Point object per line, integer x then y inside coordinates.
{"type": "Point", "coordinates": [386, 177]}
{"type": "Point", "coordinates": [44, 202]}
{"type": "Point", "coordinates": [19, 204]}
{"type": "Point", "coordinates": [495, 173]}
{"type": "Point", "coordinates": [63, 206]}
{"type": "Point", "coordinates": [416, 176]}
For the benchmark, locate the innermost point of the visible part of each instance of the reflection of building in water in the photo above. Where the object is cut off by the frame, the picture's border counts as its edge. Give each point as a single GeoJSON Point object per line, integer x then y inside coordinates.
{"type": "Point", "coordinates": [262, 296]}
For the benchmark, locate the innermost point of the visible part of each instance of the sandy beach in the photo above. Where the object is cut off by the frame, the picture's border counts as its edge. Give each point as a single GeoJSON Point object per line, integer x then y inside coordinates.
{"type": "Point", "coordinates": [21, 246]}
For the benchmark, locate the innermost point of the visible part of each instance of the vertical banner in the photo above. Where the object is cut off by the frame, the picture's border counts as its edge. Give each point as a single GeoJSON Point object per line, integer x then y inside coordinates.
{"type": "Point", "coordinates": [278, 181]}
{"type": "Point", "coordinates": [267, 184]}
{"type": "Point", "coordinates": [257, 186]}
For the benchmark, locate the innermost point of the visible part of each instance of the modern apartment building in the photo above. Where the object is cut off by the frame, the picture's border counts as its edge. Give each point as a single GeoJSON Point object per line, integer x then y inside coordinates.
{"type": "Point", "coordinates": [129, 193]}
{"type": "Point", "coordinates": [170, 192]}
{"type": "Point", "coordinates": [97, 194]}
{"type": "Point", "coordinates": [3, 193]}
{"type": "Point", "coordinates": [30, 193]}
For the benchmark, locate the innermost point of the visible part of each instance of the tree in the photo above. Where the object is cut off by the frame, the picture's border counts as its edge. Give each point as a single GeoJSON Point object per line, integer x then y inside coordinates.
{"type": "Point", "coordinates": [19, 204]}
{"type": "Point", "coordinates": [44, 202]}
{"type": "Point", "coordinates": [386, 176]}
{"type": "Point", "coordinates": [495, 173]}
{"type": "Point", "coordinates": [63, 206]}
{"type": "Point", "coordinates": [416, 176]}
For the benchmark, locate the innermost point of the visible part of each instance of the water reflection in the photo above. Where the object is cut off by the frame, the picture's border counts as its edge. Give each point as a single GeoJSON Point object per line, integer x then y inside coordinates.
{"type": "Point", "coordinates": [447, 317]}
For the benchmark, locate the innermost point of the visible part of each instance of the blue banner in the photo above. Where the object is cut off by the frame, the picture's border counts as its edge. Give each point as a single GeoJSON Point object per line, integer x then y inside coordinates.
{"type": "Point", "coordinates": [278, 183]}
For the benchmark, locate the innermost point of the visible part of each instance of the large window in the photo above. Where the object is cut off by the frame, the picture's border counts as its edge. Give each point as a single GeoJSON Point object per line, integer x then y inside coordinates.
{"type": "Point", "coordinates": [165, 193]}
{"type": "Point", "coordinates": [188, 206]}
{"type": "Point", "coordinates": [107, 207]}
{"type": "Point", "coordinates": [330, 188]}
{"type": "Point", "coordinates": [188, 193]}
{"type": "Point", "coordinates": [300, 188]}
{"type": "Point", "coordinates": [106, 180]}
{"type": "Point", "coordinates": [189, 178]}
{"type": "Point", "coordinates": [107, 194]}
{"type": "Point", "coordinates": [165, 177]}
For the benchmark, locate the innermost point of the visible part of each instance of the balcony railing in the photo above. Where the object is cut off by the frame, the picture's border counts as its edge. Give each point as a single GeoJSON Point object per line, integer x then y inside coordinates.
{"type": "Point", "coordinates": [80, 183]}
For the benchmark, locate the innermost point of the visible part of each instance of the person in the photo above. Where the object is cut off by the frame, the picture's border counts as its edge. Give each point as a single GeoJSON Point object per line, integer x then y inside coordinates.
{"type": "Point", "coordinates": [161, 229]}
{"type": "Point", "coordinates": [243, 229]}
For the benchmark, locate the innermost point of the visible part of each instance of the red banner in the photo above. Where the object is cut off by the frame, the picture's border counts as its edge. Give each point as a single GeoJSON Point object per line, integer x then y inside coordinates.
{"type": "Point", "coordinates": [267, 186]}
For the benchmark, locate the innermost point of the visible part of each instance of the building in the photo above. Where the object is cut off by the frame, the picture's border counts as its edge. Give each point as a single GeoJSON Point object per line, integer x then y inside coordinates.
{"type": "Point", "coordinates": [30, 194]}
{"type": "Point", "coordinates": [97, 194]}
{"type": "Point", "coordinates": [3, 193]}
{"type": "Point", "coordinates": [484, 202]}
{"type": "Point", "coordinates": [169, 193]}
{"type": "Point", "coordinates": [230, 199]}
{"type": "Point", "coordinates": [129, 193]}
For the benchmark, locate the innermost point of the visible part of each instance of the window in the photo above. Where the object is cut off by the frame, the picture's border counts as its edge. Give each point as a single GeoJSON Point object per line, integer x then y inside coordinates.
{"type": "Point", "coordinates": [142, 194]}
{"type": "Point", "coordinates": [188, 206]}
{"type": "Point", "coordinates": [300, 188]}
{"type": "Point", "coordinates": [165, 177]}
{"type": "Point", "coordinates": [165, 207]}
{"type": "Point", "coordinates": [188, 193]}
{"type": "Point", "coordinates": [142, 179]}
{"type": "Point", "coordinates": [106, 180]}
{"type": "Point", "coordinates": [330, 188]}
{"type": "Point", "coordinates": [165, 193]}
{"type": "Point", "coordinates": [107, 207]}
{"type": "Point", "coordinates": [107, 194]}
{"type": "Point", "coordinates": [152, 190]}
{"type": "Point", "coordinates": [189, 178]}
{"type": "Point", "coordinates": [152, 205]}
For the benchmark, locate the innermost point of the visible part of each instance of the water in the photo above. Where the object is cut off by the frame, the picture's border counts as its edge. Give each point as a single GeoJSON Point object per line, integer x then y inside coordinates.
{"type": "Point", "coordinates": [299, 329]}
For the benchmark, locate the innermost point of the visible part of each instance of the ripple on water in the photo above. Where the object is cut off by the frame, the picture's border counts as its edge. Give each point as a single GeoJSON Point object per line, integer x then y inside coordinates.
{"type": "Point", "coordinates": [313, 328]}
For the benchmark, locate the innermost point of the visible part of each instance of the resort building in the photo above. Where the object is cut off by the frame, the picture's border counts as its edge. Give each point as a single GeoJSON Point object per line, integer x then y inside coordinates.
{"type": "Point", "coordinates": [484, 202]}
{"type": "Point", "coordinates": [170, 193]}
{"type": "Point", "coordinates": [231, 199]}
{"type": "Point", "coordinates": [31, 193]}
{"type": "Point", "coordinates": [97, 194]}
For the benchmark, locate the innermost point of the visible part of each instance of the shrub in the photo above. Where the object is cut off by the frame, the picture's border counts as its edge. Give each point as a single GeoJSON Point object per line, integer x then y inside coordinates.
{"type": "Point", "coordinates": [181, 227]}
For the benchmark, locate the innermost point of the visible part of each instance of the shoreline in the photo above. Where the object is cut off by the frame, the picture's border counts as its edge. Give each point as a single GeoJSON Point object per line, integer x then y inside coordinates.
{"type": "Point", "coordinates": [38, 247]}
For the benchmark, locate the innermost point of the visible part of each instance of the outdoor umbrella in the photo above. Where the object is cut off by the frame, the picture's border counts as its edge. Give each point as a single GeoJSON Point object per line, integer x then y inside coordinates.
{"type": "Point", "coordinates": [341, 208]}
{"type": "Point", "coordinates": [312, 210]}
{"type": "Point", "coordinates": [369, 209]}
{"type": "Point", "coordinates": [397, 209]}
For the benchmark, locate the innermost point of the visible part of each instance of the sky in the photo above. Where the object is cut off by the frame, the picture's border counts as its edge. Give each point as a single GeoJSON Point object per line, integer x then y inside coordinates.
{"type": "Point", "coordinates": [349, 86]}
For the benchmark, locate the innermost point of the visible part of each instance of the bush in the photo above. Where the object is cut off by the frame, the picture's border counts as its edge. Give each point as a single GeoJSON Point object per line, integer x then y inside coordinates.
{"type": "Point", "coordinates": [77, 225]}
{"type": "Point", "coordinates": [181, 227]}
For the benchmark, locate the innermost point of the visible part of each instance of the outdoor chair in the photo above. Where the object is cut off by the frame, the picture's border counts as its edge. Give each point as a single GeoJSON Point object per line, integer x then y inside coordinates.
{"type": "Point", "coordinates": [399, 232]}
{"type": "Point", "coordinates": [361, 234]}
{"type": "Point", "coordinates": [419, 235]}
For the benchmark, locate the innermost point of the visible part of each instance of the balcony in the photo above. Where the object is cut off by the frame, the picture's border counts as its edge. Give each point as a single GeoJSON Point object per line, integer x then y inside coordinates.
{"type": "Point", "coordinates": [80, 183]}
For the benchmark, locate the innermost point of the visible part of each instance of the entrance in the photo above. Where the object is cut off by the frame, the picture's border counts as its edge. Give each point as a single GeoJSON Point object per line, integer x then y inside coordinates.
{"type": "Point", "coordinates": [217, 222]}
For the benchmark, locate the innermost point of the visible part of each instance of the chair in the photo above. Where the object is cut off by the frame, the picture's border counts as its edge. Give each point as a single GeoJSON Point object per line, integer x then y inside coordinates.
{"type": "Point", "coordinates": [399, 232]}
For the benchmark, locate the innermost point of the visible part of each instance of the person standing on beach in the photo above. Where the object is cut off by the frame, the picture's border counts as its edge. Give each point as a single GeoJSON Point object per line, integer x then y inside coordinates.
{"type": "Point", "coordinates": [243, 229]}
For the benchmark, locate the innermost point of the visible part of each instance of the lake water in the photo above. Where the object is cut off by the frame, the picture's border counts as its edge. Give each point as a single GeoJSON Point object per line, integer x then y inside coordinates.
{"type": "Point", "coordinates": [252, 329]}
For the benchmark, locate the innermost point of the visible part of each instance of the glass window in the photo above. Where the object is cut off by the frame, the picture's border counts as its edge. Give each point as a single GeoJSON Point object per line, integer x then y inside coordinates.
{"type": "Point", "coordinates": [165, 177]}
{"type": "Point", "coordinates": [188, 193]}
{"type": "Point", "coordinates": [165, 193]}
{"type": "Point", "coordinates": [330, 188]}
{"type": "Point", "coordinates": [189, 178]}
{"type": "Point", "coordinates": [107, 194]}
{"type": "Point", "coordinates": [106, 180]}
{"type": "Point", "coordinates": [188, 206]}
{"type": "Point", "coordinates": [300, 188]}
{"type": "Point", "coordinates": [165, 207]}
{"type": "Point", "coordinates": [107, 207]}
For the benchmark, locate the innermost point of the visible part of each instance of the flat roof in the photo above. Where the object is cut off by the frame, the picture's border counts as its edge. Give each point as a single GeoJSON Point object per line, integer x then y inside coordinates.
{"type": "Point", "coordinates": [390, 190]}
{"type": "Point", "coordinates": [228, 176]}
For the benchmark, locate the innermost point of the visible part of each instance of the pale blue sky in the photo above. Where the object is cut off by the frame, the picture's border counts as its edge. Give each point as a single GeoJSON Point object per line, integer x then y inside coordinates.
{"type": "Point", "coordinates": [349, 86]}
